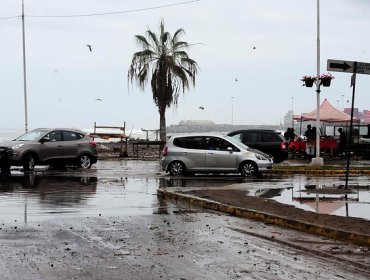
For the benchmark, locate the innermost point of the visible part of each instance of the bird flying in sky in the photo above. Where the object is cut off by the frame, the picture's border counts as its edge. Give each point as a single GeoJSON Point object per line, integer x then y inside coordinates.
{"type": "Point", "coordinates": [99, 99]}
{"type": "Point", "coordinates": [89, 46]}
{"type": "Point", "coordinates": [201, 107]}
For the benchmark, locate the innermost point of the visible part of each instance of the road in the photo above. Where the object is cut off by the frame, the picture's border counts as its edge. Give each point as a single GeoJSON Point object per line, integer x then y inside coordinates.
{"type": "Point", "coordinates": [107, 223]}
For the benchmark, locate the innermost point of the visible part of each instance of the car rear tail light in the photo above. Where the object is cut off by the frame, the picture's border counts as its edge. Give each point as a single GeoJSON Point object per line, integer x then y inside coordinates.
{"type": "Point", "coordinates": [165, 150]}
{"type": "Point", "coordinates": [283, 146]}
{"type": "Point", "coordinates": [92, 143]}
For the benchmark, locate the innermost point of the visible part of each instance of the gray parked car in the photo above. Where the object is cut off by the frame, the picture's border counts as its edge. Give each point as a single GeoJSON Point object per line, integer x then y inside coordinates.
{"type": "Point", "coordinates": [59, 147]}
{"type": "Point", "coordinates": [213, 153]}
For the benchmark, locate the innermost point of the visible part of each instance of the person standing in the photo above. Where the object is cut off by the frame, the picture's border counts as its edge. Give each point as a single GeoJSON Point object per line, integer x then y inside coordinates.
{"type": "Point", "coordinates": [287, 134]}
{"type": "Point", "coordinates": [342, 142]}
{"type": "Point", "coordinates": [309, 141]}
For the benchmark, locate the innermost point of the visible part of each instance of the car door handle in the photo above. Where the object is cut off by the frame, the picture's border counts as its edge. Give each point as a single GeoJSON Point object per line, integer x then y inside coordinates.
{"type": "Point", "coordinates": [184, 153]}
{"type": "Point", "coordinates": [210, 153]}
{"type": "Point", "coordinates": [60, 146]}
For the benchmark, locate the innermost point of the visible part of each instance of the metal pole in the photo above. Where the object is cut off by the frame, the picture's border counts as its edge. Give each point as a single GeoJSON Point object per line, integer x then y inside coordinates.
{"type": "Point", "coordinates": [318, 83]}
{"type": "Point", "coordinates": [24, 71]}
{"type": "Point", "coordinates": [292, 114]}
{"type": "Point", "coordinates": [318, 160]}
{"type": "Point", "coordinates": [232, 110]}
{"type": "Point", "coordinates": [348, 150]}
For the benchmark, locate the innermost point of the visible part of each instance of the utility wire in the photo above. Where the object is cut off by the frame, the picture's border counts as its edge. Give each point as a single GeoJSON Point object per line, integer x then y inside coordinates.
{"type": "Point", "coordinates": [105, 14]}
{"type": "Point", "coordinates": [9, 17]}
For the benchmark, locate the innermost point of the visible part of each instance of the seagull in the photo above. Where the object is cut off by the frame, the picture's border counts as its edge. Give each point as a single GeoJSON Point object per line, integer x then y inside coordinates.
{"type": "Point", "coordinates": [236, 79]}
{"type": "Point", "coordinates": [254, 48]}
{"type": "Point", "coordinates": [89, 46]}
{"type": "Point", "coordinates": [99, 99]}
{"type": "Point", "coordinates": [201, 107]}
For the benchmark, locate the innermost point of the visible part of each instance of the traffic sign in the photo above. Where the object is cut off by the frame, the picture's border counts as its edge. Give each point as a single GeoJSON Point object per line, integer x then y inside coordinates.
{"type": "Point", "coordinates": [340, 66]}
{"type": "Point", "coordinates": [348, 66]}
{"type": "Point", "coordinates": [363, 68]}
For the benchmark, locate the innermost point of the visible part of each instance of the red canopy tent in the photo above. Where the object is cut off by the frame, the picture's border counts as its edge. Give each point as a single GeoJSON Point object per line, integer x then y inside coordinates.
{"type": "Point", "coordinates": [328, 113]}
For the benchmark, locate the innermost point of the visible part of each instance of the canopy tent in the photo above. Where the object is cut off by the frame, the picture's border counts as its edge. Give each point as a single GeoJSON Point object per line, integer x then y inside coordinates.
{"type": "Point", "coordinates": [328, 113]}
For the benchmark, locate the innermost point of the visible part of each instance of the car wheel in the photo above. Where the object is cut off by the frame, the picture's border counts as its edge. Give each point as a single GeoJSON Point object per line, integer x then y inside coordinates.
{"type": "Point", "coordinates": [85, 162]}
{"type": "Point", "coordinates": [29, 162]}
{"type": "Point", "coordinates": [176, 168]}
{"type": "Point", "coordinates": [248, 169]}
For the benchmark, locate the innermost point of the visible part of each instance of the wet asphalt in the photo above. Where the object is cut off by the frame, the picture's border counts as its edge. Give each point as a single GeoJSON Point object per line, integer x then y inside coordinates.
{"type": "Point", "coordinates": [108, 223]}
{"type": "Point", "coordinates": [131, 186]}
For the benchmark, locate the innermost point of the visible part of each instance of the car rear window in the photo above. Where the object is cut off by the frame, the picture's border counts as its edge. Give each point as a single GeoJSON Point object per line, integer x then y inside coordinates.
{"type": "Point", "coordinates": [189, 142]}
{"type": "Point", "coordinates": [72, 136]}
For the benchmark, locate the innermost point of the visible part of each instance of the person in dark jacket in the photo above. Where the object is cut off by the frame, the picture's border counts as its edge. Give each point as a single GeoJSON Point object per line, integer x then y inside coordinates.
{"type": "Point", "coordinates": [342, 142]}
{"type": "Point", "coordinates": [310, 138]}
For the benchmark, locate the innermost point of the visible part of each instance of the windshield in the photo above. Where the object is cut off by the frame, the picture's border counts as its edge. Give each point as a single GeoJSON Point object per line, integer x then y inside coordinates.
{"type": "Point", "coordinates": [33, 135]}
{"type": "Point", "coordinates": [237, 143]}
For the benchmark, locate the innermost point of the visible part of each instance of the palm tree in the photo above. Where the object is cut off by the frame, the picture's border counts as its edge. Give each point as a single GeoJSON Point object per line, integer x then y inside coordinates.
{"type": "Point", "coordinates": [164, 59]}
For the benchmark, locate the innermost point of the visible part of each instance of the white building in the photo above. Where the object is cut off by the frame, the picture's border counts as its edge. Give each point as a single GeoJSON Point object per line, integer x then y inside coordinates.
{"type": "Point", "coordinates": [288, 119]}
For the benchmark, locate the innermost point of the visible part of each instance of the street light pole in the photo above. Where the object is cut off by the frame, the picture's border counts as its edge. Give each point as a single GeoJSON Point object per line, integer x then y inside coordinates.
{"type": "Point", "coordinates": [232, 110]}
{"type": "Point", "coordinates": [318, 160]}
{"type": "Point", "coordinates": [24, 71]}
{"type": "Point", "coordinates": [292, 114]}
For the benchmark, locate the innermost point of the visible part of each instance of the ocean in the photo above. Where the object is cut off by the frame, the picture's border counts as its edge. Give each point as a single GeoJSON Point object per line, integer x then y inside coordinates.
{"type": "Point", "coordinates": [9, 134]}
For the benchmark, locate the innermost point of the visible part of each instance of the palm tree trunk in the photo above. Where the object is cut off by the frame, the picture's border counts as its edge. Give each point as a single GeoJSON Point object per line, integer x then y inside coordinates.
{"type": "Point", "coordinates": [162, 125]}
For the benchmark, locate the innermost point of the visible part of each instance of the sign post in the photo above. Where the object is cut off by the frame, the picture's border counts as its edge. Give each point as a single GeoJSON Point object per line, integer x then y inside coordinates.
{"type": "Point", "coordinates": [349, 67]}
{"type": "Point", "coordinates": [346, 66]}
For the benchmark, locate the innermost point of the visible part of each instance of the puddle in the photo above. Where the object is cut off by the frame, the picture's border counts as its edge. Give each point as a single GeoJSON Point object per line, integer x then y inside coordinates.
{"type": "Point", "coordinates": [31, 198]}
{"type": "Point", "coordinates": [118, 188]}
{"type": "Point", "coordinates": [325, 195]}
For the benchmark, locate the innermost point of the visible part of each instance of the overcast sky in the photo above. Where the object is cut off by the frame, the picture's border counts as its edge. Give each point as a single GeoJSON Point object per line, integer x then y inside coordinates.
{"type": "Point", "coordinates": [267, 45]}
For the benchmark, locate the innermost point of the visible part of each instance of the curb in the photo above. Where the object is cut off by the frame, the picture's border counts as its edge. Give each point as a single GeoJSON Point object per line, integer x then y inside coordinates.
{"type": "Point", "coordinates": [321, 172]}
{"type": "Point", "coordinates": [359, 239]}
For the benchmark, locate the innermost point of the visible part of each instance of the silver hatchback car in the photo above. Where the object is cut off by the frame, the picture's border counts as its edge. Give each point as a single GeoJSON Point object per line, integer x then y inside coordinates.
{"type": "Point", "coordinates": [59, 147]}
{"type": "Point", "coordinates": [213, 153]}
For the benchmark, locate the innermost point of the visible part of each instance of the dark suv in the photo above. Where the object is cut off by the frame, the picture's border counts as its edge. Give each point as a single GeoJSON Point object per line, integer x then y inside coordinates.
{"type": "Point", "coordinates": [271, 142]}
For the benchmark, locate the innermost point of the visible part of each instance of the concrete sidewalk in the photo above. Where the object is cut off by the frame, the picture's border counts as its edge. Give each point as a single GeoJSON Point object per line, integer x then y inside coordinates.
{"type": "Point", "coordinates": [236, 203]}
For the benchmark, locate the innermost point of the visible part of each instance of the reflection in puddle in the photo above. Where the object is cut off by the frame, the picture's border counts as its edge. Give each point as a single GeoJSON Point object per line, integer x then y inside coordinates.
{"type": "Point", "coordinates": [324, 195]}
{"type": "Point", "coordinates": [33, 197]}
{"type": "Point", "coordinates": [38, 196]}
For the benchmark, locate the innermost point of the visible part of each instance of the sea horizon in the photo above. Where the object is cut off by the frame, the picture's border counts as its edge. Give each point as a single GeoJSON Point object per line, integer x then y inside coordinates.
{"type": "Point", "coordinates": [10, 134]}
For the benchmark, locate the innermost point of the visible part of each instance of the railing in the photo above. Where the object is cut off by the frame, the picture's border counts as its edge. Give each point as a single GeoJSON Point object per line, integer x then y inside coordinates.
{"type": "Point", "coordinates": [107, 135]}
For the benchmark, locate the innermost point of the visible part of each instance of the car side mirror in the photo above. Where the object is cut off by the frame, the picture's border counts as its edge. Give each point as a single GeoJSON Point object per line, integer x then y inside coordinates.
{"type": "Point", "coordinates": [45, 139]}
{"type": "Point", "coordinates": [230, 149]}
